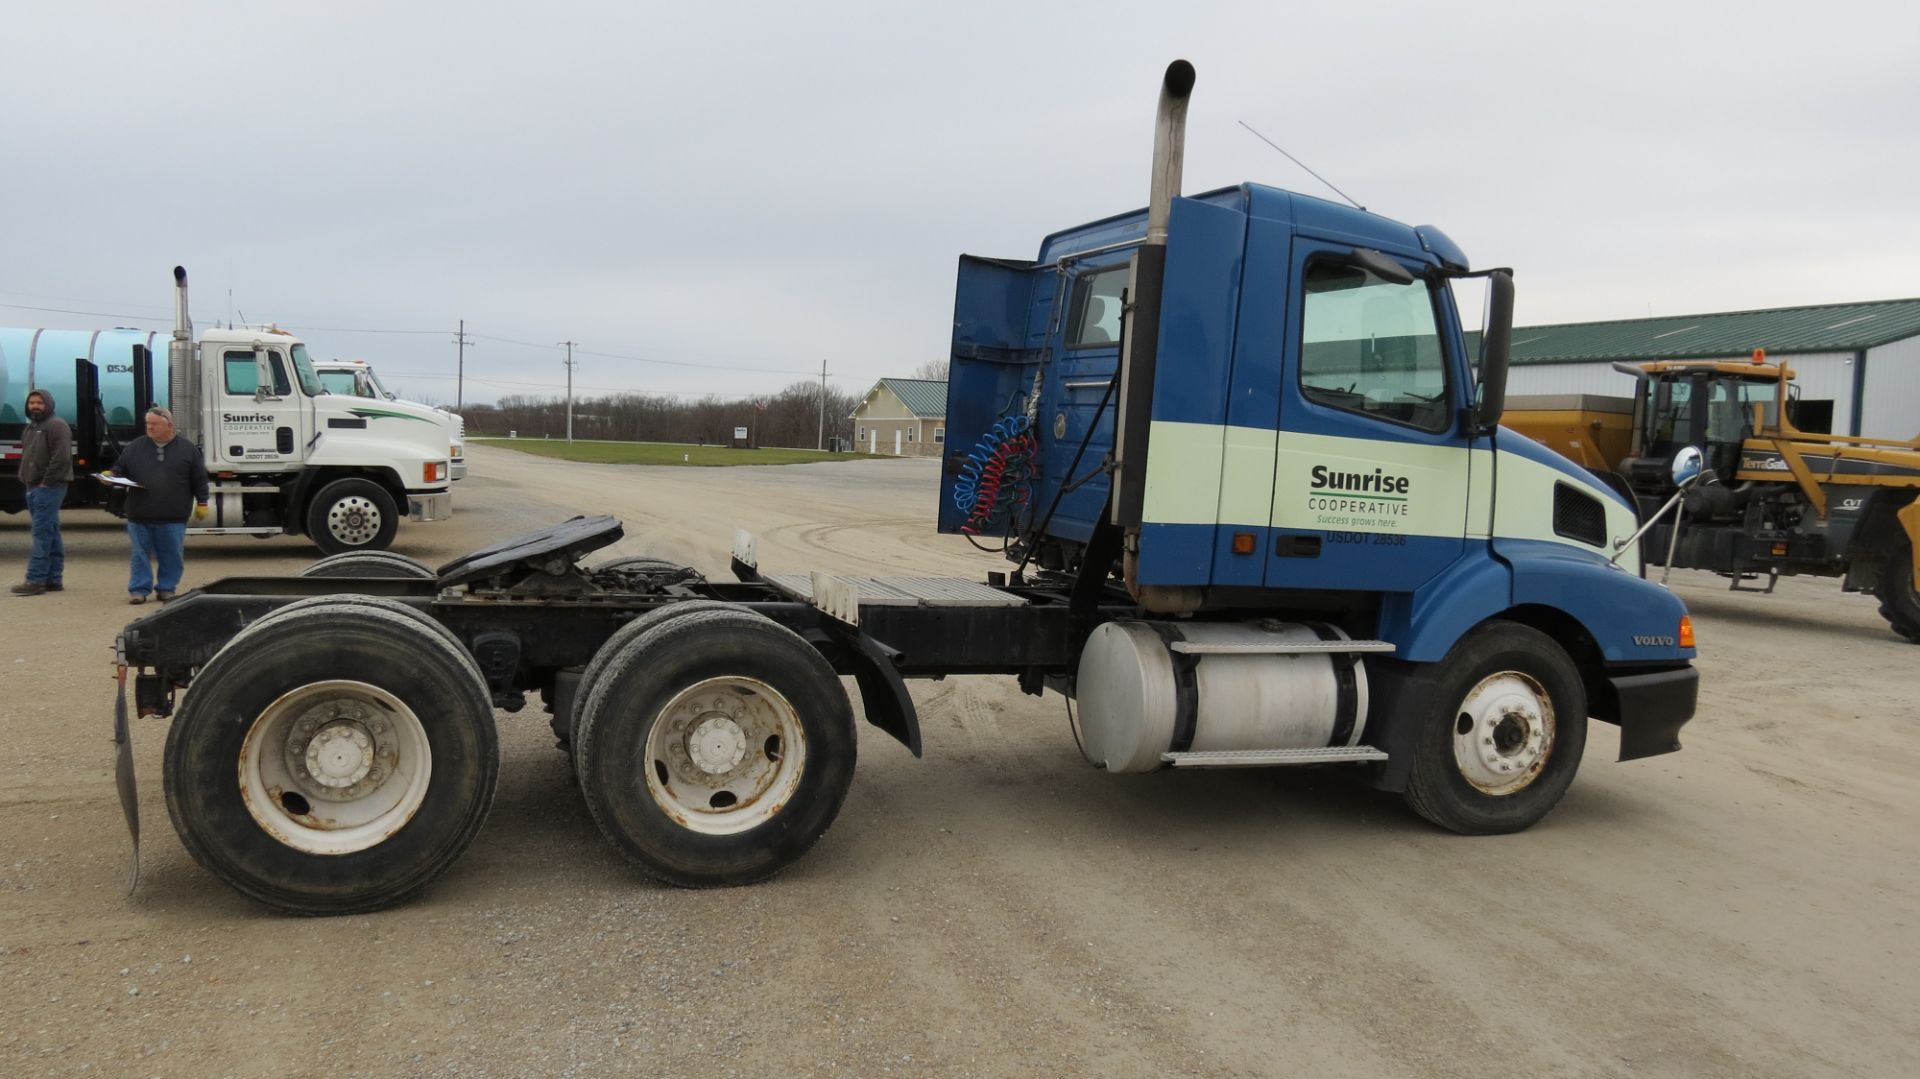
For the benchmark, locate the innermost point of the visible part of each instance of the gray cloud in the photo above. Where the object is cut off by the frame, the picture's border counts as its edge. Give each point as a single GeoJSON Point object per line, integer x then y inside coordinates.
{"type": "Point", "coordinates": [768, 186]}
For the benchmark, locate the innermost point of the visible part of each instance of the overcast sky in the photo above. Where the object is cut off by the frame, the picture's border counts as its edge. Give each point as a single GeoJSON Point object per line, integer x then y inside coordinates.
{"type": "Point", "coordinates": [748, 190]}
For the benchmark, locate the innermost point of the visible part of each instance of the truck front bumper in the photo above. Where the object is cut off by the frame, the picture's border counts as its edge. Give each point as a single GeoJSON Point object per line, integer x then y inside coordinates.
{"type": "Point", "coordinates": [1651, 707]}
{"type": "Point", "coordinates": [436, 506]}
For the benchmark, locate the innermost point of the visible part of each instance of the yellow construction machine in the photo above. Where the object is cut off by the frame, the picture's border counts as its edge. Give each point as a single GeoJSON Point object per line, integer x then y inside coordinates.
{"type": "Point", "coordinates": [1776, 500]}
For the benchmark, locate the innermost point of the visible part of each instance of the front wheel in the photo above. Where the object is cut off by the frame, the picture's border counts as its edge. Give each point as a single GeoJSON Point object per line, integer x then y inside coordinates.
{"type": "Point", "coordinates": [1899, 601]}
{"type": "Point", "coordinates": [352, 514]}
{"type": "Point", "coordinates": [1503, 733]}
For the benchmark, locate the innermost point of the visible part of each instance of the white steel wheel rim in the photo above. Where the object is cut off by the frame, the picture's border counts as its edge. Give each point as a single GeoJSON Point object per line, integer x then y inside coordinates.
{"type": "Point", "coordinates": [1503, 733]}
{"type": "Point", "coordinates": [335, 767]}
{"type": "Point", "coordinates": [725, 755]}
{"type": "Point", "coordinates": [354, 520]}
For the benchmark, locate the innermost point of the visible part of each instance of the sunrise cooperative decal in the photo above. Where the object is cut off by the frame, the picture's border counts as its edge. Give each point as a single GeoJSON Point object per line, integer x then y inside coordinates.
{"type": "Point", "coordinates": [1208, 474]}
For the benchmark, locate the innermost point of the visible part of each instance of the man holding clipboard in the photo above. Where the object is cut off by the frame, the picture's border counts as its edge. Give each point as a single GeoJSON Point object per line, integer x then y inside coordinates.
{"type": "Point", "coordinates": [165, 478]}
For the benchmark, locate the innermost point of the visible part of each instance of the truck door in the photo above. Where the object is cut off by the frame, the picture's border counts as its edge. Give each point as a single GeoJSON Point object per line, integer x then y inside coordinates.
{"type": "Point", "coordinates": [263, 418]}
{"type": "Point", "coordinates": [1372, 467]}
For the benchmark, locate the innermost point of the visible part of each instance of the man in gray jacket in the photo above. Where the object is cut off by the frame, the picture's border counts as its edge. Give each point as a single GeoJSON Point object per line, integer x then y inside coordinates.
{"type": "Point", "coordinates": [46, 467]}
{"type": "Point", "coordinates": [173, 480]}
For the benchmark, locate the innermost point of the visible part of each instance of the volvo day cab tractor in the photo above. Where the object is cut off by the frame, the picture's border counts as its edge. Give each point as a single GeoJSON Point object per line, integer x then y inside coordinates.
{"type": "Point", "coordinates": [1260, 513]}
{"type": "Point", "coordinates": [283, 455]}
{"type": "Point", "coordinates": [357, 378]}
{"type": "Point", "coordinates": [1778, 501]}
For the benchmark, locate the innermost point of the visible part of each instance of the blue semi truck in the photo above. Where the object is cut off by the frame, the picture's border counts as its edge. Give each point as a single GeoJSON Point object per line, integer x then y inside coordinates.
{"type": "Point", "coordinates": [1260, 513]}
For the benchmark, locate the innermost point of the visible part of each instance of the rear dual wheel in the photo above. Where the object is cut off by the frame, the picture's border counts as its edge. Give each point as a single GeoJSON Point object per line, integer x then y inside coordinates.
{"type": "Point", "coordinates": [715, 748]}
{"type": "Point", "coordinates": [369, 564]}
{"type": "Point", "coordinates": [335, 757]}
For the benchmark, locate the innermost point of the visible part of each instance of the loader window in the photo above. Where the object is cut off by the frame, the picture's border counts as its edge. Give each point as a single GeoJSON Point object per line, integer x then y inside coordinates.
{"type": "Point", "coordinates": [1672, 425]}
{"type": "Point", "coordinates": [1094, 309]}
{"type": "Point", "coordinates": [1373, 346]}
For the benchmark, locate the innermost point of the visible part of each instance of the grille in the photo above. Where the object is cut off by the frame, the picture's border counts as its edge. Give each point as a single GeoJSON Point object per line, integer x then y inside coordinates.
{"type": "Point", "coordinates": [1578, 515]}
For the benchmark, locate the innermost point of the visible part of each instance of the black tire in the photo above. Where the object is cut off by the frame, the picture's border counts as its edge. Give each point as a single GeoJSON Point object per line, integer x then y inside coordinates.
{"type": "Point", "coordinates": [1899, 602]}
{"type": "Point", "coordinates": [352, 514]}
{"type": "Point", "coordinates": [369, 564]}
{"type": "Point", "coordinates": [356, 600]}
{"type": "Point", "coordinates": [671, 669]}
{"type": "Point", "coordinates": [642, 563]}
{"type": "Point", "coordinates": [621, 637]}
{"type": "Point", "coordinates": [237, 712]}
{"type": "Point", "coordinates": [1499, 687]}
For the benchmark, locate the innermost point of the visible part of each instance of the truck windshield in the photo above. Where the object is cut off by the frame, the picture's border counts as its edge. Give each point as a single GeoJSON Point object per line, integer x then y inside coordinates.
{"type": "Point", "coordinates": [379, 388]}
{"type": "Point", "coordinates": [340, 382]}
{"type": "Point", "coordinates": [310, 382]}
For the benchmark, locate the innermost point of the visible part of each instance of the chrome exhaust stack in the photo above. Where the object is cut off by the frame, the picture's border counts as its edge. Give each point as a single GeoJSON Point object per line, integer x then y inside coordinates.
{"type": "Point", "coordinates": [1140, 345]}
{"type": "Point", "coordinates": [1169, 148]}
{"type": "Point", "coordinates": [183, 373]}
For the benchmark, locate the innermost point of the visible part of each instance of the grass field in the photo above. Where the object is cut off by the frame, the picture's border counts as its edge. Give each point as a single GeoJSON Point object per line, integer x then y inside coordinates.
{"type": "Point", "coordinates": [662, 453]}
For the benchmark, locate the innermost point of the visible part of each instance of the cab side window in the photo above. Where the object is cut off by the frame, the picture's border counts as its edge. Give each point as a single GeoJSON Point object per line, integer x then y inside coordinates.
{"type": "Point", "coordinates": [1094, 309]}
{"type": "Point", "coordinates": [1373, 346]}
{"type": "Point", "coordinates": [242, 377]}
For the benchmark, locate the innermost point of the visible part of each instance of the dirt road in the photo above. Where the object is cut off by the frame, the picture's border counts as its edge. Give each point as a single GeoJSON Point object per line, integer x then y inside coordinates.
{"type": "Point", "coordinates": [1743, 908]}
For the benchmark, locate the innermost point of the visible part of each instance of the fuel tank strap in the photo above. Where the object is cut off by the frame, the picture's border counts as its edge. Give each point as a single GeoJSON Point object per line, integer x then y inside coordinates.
{"type": "Point", "coordinates": [1186, 689]}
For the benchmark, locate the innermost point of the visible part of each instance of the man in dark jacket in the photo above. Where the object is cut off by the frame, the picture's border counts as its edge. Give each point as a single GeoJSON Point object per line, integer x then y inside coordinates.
{"type": "Point", "coordinates": [46, 467]}
{"type": "Point", "coordinates": [173, 480]}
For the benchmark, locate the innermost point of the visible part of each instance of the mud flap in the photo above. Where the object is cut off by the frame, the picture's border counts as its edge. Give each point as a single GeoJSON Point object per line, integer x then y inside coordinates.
{"type": "Point", "coordinates": [123, 778]}
{"type": "Point", "coordinates": [884, 692]}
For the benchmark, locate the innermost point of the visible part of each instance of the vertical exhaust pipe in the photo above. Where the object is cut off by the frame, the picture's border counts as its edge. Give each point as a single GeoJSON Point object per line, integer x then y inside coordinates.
{"type": "Point", "coordinates": [1140, 348]}
{"type": "Point", "coordinates": [183, 373]}
{"type": "Point", "coordinates": [1169, 148]}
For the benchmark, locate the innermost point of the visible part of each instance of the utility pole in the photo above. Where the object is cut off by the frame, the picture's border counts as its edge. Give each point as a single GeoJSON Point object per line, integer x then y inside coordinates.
{"type": "Point", "coordinates": [570, 361]}
{"type": "Point", "coordinates": [460, 381]}
{"type": "Point", "coordinates": [823, 406]}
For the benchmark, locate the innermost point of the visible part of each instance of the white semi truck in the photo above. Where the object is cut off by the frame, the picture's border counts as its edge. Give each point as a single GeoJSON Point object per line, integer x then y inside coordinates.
{"type": "Point", "coordinates": [284, 456]}
{"type": "Point", "coordinates": [356, 378]}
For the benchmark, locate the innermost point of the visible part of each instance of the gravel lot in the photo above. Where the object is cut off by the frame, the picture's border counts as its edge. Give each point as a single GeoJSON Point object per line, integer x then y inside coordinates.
{"type": "Point", "coordinates": [1743, 908]}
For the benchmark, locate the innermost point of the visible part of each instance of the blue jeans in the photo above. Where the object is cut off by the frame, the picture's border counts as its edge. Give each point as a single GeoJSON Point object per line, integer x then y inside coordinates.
{"type": "Point", "coordinates": [47, 564]}
{"type": "Point", "coordinates": [163, 542]}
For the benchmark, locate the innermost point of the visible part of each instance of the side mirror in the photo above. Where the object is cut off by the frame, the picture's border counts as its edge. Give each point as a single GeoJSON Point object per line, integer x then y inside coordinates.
{"type": "Point", "coordinates": [1496, 344]}
{"type": "Point", "coordinates": [262, 374]}
{"type": "Point", "coordinates": [1689, 465]}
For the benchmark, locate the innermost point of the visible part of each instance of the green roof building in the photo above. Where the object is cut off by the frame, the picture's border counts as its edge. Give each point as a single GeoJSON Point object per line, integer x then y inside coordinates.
{"type": "Point", "coordinates": [903, 416]}
{"type": "Point", "coordinates": [1863, 358]}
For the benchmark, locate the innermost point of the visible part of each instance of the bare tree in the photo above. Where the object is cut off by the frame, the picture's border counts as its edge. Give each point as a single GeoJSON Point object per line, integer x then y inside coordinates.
{"type": "Point", "coordinates": [934, 370]}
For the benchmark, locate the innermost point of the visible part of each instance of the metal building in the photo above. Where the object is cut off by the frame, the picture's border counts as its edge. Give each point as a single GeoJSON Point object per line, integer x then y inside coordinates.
{"type": "Point", "coordinates": [1860, 360]}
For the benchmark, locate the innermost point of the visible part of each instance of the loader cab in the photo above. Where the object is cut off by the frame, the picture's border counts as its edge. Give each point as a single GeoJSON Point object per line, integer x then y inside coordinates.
{"type": "Point", "coordinates": [1709, 408]}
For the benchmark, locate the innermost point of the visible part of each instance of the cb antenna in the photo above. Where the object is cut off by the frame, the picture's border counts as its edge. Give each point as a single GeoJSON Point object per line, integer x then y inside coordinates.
{"type": "Point", "coordinates": [1302, 164]}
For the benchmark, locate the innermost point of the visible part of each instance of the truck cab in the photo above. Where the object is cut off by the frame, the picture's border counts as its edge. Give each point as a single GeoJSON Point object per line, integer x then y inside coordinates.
{"type": "Point", "coordinates": [357, 378]}
{"type": "Point", "coordinates": [1310, 437]}
{"type": "Point", "coordinates": [288, 455]}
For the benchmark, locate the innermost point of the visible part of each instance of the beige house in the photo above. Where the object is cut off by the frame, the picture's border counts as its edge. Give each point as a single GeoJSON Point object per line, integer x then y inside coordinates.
{"type": "Point", "coordinates": [902, 416]}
